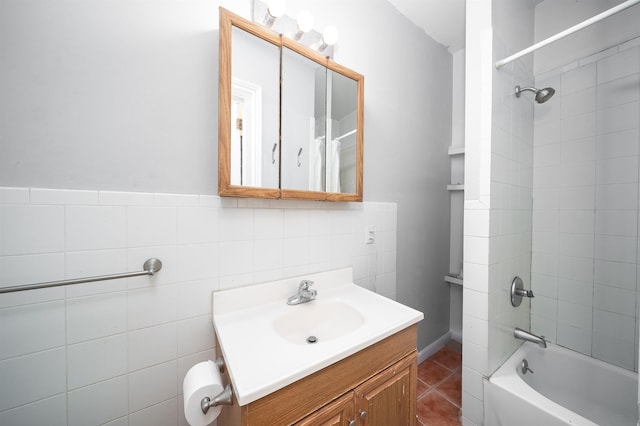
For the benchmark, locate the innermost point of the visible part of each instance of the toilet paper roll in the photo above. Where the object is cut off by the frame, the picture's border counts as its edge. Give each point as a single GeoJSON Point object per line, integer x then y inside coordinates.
{"type": "Point", "coordinates": [202, 380]}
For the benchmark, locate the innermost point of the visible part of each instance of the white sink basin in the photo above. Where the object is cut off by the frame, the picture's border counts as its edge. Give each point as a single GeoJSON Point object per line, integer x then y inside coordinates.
{"type": "Point", "coordinates": [319, 320]}
{"type": "Point", "coordinates": [264, 340]}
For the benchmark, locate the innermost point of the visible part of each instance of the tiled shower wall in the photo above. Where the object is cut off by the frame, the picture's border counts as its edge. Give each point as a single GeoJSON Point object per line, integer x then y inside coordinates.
{"type": "Point", "coordinates": [115, 352]}
{"type": "Point", "coordinates": [511, 193]}
{"type": "Point", "coordinates": [497, 229]}
{"type": "Point", "coordinates": [585, 206]}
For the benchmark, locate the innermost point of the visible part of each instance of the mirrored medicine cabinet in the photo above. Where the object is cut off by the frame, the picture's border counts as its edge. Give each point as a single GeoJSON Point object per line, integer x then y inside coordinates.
{"type": "Point", "coordinates": [290, 120]}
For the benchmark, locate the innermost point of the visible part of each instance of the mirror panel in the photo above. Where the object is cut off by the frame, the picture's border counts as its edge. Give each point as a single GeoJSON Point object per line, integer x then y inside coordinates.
{"type": "Point", "coordinates": [303, 114]}
{"type": "Point", "coordinates": [250, 94]}
{"type": "Point", "coordinates": [343, 127]}
{"type": "Point", "coordinates": [255, 98]}
{"type": "Point", "coordinates": [347, 122]}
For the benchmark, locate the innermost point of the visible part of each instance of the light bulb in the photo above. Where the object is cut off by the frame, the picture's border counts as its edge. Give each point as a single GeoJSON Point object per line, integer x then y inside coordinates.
{"type": "Point", "coordinates": [276, 8]}
{"type": "Point", "coordinates": [330, 35]}
{"type": "Point", "coordinates": [305, 23]}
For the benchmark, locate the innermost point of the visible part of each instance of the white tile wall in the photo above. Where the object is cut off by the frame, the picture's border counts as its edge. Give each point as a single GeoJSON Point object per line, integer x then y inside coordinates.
{"type": "Point", "coordinates": [93, 317]}
{"type": "Point", "coordinates": [510, 243]}
{"type": "Point", "coordinates": [95, 262]}
{"type": "Point", "coordinates": [498, 224]}
{"type": "Point", "coordinates": [49, 411]}
{"type": "Point", "coordinates": [153, 345]}
{"type": "Point", "coordinates": [617, 144]}
{"type": "Point", "coordinates": [577, 79]}
{"type": "Point", "coordinates": [96, 360]}
{"type": "Point", "coordinates": [31, 328]}
{"type": "Point", "coordinates": [128, 343]}
{"type": "Point", "coordinates": [31, 231]}
{"type": "Point", "coordinates": [14, 195]}
{"type": "Point", "coordinates": [92, 228]}
{"type": "Point", "coordinates": [151, 226]}
{"type": "Point", "coordinates": [113, 397]}
{"type": "Point", "coordinates": [619, 65]}
{"type": "Point", "coordinates": [589, 284]}
{"type": "Point", "coordinates": [151, 385]}
{"type": "Point", "coordinates": [32, 377]}
{"type": "Point", "coordinates": [163, 414]}
{"type": "Point", "coordinates": [62, 196]}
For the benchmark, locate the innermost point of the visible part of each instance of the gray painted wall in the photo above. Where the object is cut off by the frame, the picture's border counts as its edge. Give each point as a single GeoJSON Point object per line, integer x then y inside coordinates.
{"type": "Point", "coordinates": [122, 95]}
{"type": "Point", "coordinates": [112, 95]}
{"type": "Point", "coordinates": [408, 90]}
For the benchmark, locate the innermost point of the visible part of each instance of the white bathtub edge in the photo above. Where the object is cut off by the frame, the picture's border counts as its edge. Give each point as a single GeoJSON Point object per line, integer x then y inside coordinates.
{"type": "Point", "coordinates": [510, 400]}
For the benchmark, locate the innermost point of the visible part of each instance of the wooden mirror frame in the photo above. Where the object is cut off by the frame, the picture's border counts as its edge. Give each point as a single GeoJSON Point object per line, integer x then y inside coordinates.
{"type": "Point", "coordinates": [228, 20]}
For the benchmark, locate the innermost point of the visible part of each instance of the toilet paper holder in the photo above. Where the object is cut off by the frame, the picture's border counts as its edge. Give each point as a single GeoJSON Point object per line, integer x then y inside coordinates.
{"type": "Point", "coordinates": [223, 398]}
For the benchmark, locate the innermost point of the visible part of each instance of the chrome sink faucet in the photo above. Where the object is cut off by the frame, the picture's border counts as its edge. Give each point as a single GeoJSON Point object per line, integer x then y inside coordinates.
{"type": "Point", "coordinates": [519, 333]}
{"type": "Point", "coordinates": [304, 295]}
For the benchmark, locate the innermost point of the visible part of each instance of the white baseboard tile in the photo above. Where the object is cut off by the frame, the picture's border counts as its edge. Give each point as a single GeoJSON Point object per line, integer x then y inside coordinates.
{"type": "Point", "coordinates": [425, 353]}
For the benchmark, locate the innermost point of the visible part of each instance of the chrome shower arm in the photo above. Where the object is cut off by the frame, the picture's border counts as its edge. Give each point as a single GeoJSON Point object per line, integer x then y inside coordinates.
{"type": "Point", "coordinates": [519, 90]}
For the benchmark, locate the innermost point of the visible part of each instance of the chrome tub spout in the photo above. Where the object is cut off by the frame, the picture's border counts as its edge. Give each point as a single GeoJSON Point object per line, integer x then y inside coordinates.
{"type": "Point", "coordinates": [521, 334]}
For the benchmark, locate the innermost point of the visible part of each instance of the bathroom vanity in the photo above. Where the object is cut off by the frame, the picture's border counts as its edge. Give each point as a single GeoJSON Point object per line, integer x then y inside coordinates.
{"type": "Point", "coordinates": [376, 386]}
{"type": "Point", "coordinates": [361, 369]}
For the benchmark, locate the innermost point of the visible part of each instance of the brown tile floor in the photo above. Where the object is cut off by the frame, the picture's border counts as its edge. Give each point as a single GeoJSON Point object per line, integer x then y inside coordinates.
{"type": "Point", "coordinates": [440, 387]}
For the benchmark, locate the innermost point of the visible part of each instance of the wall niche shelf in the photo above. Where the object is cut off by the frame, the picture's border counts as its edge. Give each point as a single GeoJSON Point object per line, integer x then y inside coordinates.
{"type": "Point", "coordinates": [456, 154]}
{"type": "Point", "coordinates": [456, 150]}
{"type": "Point", "coordinates": [453, 279]}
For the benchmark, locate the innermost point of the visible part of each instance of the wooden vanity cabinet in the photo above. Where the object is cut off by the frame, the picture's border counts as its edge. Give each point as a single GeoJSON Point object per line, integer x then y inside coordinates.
{"type": "Point", "coordinates": [390, 397]}
{"type": "Point", "coordinates": [385, 399]}
{"type": "Point", "coordinates": [373, 387]}
{"type": "Point", "coordinates": [338, 413]}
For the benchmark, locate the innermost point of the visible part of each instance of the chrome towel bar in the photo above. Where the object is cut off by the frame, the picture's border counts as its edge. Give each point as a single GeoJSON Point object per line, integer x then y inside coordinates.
{"type": "Point", "coordinates": [150, 266]}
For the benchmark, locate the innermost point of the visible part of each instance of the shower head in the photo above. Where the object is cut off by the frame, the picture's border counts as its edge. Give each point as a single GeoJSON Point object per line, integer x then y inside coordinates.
{"type": "Point", "coordinates": [542, 95]}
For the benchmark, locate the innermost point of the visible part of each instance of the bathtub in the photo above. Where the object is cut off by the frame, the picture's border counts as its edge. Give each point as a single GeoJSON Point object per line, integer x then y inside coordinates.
{"type": "Point", "coordinates": [566, 388]}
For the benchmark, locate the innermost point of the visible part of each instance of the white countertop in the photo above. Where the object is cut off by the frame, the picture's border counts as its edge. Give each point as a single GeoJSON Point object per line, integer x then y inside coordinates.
{"type": "Point", "coordinates": [261, 361]}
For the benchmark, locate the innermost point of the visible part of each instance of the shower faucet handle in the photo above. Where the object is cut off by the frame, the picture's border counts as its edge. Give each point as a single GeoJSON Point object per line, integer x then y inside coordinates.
{"type": "Point", "coordinates": [524, 293]}
{"type": "Point", "coordinates": [518, 292]}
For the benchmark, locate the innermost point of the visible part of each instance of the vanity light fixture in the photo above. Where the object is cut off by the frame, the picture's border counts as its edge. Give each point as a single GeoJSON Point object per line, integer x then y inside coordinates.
{"type": "Point", "coordinates": [275, 10]}
{"type": "Point", "coordinates": [271, 14]}
{"type": "Point", "coordinates": [304, 24]}
{"type": "Point", "coordinates": [329, 37]}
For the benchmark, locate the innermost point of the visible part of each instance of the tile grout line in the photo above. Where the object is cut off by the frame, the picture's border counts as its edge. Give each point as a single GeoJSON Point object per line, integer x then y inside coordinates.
{"type": "Point", "coordinates": [435, 387]}
{"type": "Point", "coordinates": [443, 395]}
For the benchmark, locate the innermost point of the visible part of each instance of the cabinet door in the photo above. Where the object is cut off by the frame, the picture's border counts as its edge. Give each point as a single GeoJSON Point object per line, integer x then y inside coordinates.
{"type": "Point", "coordinates": [390, 397]}
{"type": "Point", "coordinates": [338, 413]}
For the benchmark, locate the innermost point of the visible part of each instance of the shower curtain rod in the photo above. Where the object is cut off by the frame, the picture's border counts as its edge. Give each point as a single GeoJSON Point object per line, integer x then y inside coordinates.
{"type": "Point", "coordinates": [619, 8]}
